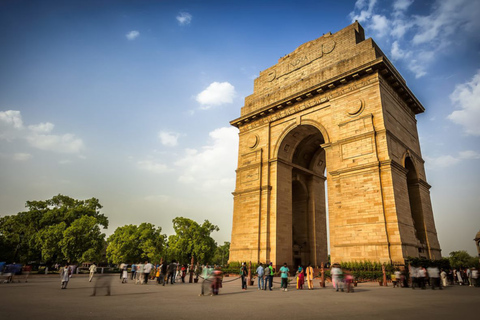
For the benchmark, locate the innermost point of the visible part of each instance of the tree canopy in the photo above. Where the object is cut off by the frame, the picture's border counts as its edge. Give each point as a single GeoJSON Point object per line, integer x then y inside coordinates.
{"type": "Point", "coordinates": [54, 230]}
{"type": "Point", "coordinates": [221, 254]}
{"type": "Point", "coordinates": [461, 259]}
{"type": "Point", "coordinates": [132, 244]}
{"type": "Point", "coordinates": [191, 238]}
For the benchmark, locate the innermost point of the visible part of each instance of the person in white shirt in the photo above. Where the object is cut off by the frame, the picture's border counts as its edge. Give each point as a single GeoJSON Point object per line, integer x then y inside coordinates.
{"type": "Point", "coordinates": [93, 269]}
{"type": "Point", "coordinates": [434, 276]}
{"type": "Point", "coordinates": [146, 270]}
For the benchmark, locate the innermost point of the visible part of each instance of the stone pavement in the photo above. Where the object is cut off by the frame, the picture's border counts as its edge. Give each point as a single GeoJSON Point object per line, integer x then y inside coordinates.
{"type": "Point", "coordinates": [42, 298]}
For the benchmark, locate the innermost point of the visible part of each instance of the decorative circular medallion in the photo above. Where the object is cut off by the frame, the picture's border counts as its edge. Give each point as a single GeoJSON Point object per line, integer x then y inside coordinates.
{"type": "Point", "coordinates": [328, 46]}
{"type": "Point", "coordinates": [355, 107]}
{"type": "Point", "coordinates": [252, 141]}
{"type": "Point", "coordinates": [271, 75]}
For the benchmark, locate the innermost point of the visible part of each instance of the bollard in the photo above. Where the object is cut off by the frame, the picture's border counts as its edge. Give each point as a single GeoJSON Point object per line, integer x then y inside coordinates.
{"type": "Point", "coordinates": [322, 279]}
{"type": "Point", "coordinates": [191, 271]}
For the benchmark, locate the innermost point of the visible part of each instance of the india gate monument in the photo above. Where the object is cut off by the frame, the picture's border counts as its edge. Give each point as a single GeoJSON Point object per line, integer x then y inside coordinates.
{"type": "Point", "coordinates": [331, 128]}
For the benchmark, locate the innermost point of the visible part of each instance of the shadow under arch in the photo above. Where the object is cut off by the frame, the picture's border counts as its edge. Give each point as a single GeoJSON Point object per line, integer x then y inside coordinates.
{"type": "Point", "coordinates": [292, 129]}
{"type": "Point", "coordinates": [415, 201]}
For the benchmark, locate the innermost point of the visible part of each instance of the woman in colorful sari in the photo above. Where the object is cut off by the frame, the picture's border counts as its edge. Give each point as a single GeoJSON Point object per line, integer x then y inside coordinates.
{"type": "Point", "coordinates": [300, 278]}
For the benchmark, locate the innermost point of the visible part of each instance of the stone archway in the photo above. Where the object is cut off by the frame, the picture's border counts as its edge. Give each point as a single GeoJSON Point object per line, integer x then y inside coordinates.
{"type": "Point", "coordinates": [335, 101]}
{"type": "Point", "coordinates": [301, 154]}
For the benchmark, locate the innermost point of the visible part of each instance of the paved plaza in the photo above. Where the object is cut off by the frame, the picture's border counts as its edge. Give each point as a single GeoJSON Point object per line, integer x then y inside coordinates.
{"type": "Point", "coordinates": [42, 298]}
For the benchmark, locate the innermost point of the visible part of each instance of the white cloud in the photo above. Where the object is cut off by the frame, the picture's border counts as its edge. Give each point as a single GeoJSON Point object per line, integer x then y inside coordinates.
{"type": "Point", "coordinates": [42, 127]}
{"type": "Point", "coordinates": [169, 139]}
{"type": "Point", "coordinates": [468, 155]}
{"type": "Point", "coordinates": [398, 53]}
{"type": "Point", "coordinates": [12, 117]}
{"type": "Point", "coordinates": [423, 36]}
{"type": "Point", "coordinates": [380, 25]}
{"type": "Point", "coordinates": [22, 156]}
{"type": "Point", "coordinates": [217, 93]}
{"type": "Point", "coordinates": [11, 125]}
{"type": "Point", "coordinates": [441, 162]}
{"type": "Point", "coordinates": [66, 143]}
{"type": "Point", "coordinates": [184, 18]}
{"type": "Point", "coordinates": [154, 167]}
{"type": "Point", "coordinates": [132, 35]}
{"type": "Point", "coordinates": [446, 161]}
{"type": "Point", "coordinates": [212, 166]}
{"type": "Point", "coordinates": [466, 97]}
{"type": "Point", "coordinates": [365, 8]}
{"type": "Point", "coordinates": [402, 5]}
{"type": "Point", "coordinates": [37, 135]}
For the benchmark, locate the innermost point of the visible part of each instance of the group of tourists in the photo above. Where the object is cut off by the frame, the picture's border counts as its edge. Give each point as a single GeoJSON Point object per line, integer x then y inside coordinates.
{"type": "Point", "coordinates": [163, 273]}
{"type": "Point", "coordinates": [420, 277]}
{"type": "Point", "coordinates": [266, 273]}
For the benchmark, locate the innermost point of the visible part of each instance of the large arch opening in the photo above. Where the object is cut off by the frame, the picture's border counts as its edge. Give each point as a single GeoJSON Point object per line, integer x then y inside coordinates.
{"type": "Point", "coordinates": [415, 201]}
{"type": "Point", "coordinates": [301, 153]}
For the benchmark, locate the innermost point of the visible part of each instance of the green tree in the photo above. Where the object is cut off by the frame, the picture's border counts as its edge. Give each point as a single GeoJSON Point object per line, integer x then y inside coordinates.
{"type": "Point", "coordinates": [222, 254]}
{"type": "Point", "coordinates": [38, 233]}
{"type": "Point", "coordinates": [191, 238]}
{"type": "Point", "coordinates": [132, 243]}
{"type": "Point", "coordinates": [461, 259]}
{"type": "Point", "coordinates": [83, 241]}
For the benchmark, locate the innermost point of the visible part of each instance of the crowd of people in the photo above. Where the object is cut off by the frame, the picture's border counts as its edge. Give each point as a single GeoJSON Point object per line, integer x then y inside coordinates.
{"type": "Point", "coordinates": [162, 273]}
{"type": "Point", "coordinates": [420, 277]}
{"type": "Point", "coordinates": [412, 276]}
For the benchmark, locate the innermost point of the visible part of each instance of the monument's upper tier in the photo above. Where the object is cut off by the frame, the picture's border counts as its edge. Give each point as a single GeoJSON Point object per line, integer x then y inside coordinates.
{"type": "Point", "coordinates": [332, 58]}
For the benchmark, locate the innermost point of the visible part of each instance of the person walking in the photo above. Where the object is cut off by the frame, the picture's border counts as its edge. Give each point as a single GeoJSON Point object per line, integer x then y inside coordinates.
{"type": "Point", "coordinates": [434, 276]}
{"type": "Point", "coordinates": [336, 276]}
{"type": "Point", "coordinates": [260, 275]}
{"type": "Point", "coordinates": [243, 274]}
{"type": "Point", "coordinates": [134, 271]}
{"type": "Point", "coordinates": [124, 274]}
{"type": "Point", "coordinates": [172, 269]}
{"type": "Point", "coordinates": [163, 273]}
{"type": "Point", "coordinates": [309, 273]}
{"type": "Point", "coordinates": [300, 278]}
{"type": "Point", "coordinates": [284, 276]}
{"type": "Point", "coordinates": [270, 272]}
{"type": "Point", "coordinates": [206, 279]}
{"type": "Point", "coordinates": [92, 269]}
{"type": "Point", "coordinates": [147, 268]}
{"type": "Point", "coordinates": [65, 276]}
{"type": "Point", "coordinates": [184, 273]}
{"type": "Point", "coordinates": [140, 274]}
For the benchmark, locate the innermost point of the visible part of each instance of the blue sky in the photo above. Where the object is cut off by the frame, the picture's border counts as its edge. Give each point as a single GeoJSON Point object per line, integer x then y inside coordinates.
{"type": "Point", "coordinates": [130, 101]}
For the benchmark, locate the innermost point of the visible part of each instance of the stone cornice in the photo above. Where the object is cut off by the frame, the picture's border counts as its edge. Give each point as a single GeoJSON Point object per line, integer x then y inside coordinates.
{"type": "Point", "coordinates": [371, 165]}
{"type": "Point", "coordinates": [250, 190]}
{"type": "Point", "coordinates": [394, 165]}
{"type": "Point", "coordinates": [323, 92]}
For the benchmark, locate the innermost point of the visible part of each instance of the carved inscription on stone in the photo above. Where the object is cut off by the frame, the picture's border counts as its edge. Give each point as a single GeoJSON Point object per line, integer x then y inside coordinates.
{"type": "Point", "coordinates": [250, 158]}
{"type": "Point", "coordinates": [357, 148]}
{"type": "Point", "coordinates": [296, 62]}
{"type": "Point", "coordinates": [249, 175]}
